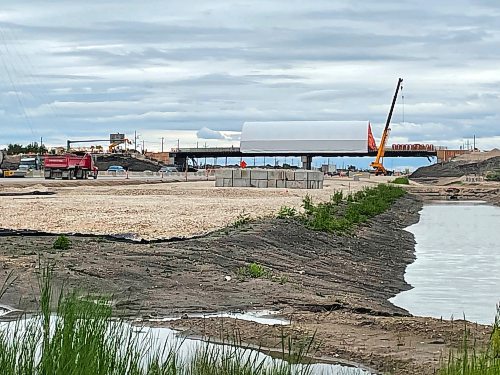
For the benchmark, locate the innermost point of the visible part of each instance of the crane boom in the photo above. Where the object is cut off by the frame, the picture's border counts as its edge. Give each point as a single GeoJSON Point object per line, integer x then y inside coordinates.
{"type": "Point", "coordinates": [377, 164]}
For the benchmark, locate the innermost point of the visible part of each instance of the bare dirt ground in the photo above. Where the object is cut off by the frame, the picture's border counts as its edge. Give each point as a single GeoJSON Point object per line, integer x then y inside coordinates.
{"type": "Point", "coordinates": [336, 286]}
{"type": "Point", "coordinates": [150, 211]}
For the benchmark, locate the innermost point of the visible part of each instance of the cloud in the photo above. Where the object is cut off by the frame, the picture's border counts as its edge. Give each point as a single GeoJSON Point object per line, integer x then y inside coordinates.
{"type": "Point", "coordinates": [166, 67]}
{"type": "Point", "coordinates": [206, 133]}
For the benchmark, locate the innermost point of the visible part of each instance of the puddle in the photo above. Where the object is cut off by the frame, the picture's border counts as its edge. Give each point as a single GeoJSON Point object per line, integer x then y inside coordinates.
{"type": "Point", "coordinates": [6, 311]}
{"type": "Point", "coordinates": [164, 339]}
{"type": "Point", "coordinates": [458, 263]}
{"type": "Point", "coordinates": [261, 317]}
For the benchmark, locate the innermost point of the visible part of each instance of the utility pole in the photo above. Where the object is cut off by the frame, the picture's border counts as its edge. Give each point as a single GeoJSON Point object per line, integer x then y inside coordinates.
{"type": "Point", "coordinates": [474, 149]}
{"type": "Point", "coordinates": [162, 138]}
{"type": "Point", "coordinates": [135, 140]}
{"type": "Point", "coordinates": [178, 144]}
{"type": "Point", "coordinates": [143, 146]}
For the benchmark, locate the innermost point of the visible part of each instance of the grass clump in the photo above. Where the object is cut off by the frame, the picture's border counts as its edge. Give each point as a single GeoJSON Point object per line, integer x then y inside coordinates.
{"type": "Point", "coordinates": [493, 176]}
{"type": "Point", "coordinates": [403, 180]}
{"type": "Point", "coordinates": [81, 337]}
{"type": "Point", "coordinates": [243, 219]}
{"type": "Point", "coordinates": [287, 212]}
{"type": "Point", "coordinates": [470, 360]}
{"type": "Point", "coordinates": [254, 271]}
{"type": "Point", "coordinates": [340, 215]}
{"type": "Point", "coordinates": [62, 243]}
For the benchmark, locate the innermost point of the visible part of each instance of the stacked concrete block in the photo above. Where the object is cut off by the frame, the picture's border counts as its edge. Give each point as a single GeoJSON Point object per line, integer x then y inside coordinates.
{"type": "Point", "coordinates": [269, 178]}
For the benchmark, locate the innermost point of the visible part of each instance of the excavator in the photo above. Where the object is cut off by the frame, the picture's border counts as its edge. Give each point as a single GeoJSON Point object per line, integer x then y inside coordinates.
{"type": "Point", "coordinates": [115, 144]}
{"type": "Point", "coordinates": [378, 165]}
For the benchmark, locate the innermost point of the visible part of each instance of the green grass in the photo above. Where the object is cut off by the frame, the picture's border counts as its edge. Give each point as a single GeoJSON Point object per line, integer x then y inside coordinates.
{"type": "Point", "coordinates": [254, 271]}
{"type": "Point", "coordinates": [401, 181]}
{"type": "Point", "coordinates": [341, 213]}
{"type": "Point", "coordinates": [286, 212]}
{"type": "Point", "coordinates": [242, 219]}
{"type": "Point", "coordinates": [62, 243]}
{"type": "Point", "coordinates": [493, 175]}
{"type": "Point", "coordinates": [470, 360]}
{"type": "Point", "coordinates": [81, 338]}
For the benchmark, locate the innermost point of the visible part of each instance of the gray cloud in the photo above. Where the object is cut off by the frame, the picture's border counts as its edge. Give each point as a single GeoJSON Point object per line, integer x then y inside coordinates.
{"type": "Point", "coordinates": [206, 133]}
{"type": "Point", "coordinates": [83, 71]}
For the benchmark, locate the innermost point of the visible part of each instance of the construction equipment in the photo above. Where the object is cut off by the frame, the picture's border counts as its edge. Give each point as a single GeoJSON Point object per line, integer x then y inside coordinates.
{"type": "Point", "coordinates": [378, 166]}
{"type": "Point", "coordinates": [115, 144]}
{"type": "Point", "coordinates": [70, 166]}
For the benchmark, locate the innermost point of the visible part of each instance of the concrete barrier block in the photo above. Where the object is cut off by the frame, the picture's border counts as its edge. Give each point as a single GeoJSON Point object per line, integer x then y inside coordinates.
{"type": "Point", "coordinates": [272, 183]}
{"type": "Point", "coordinates": [276, 175]}
{"type": "Point", "coordinates": [290, 175]}
{"type": "Point", "coordinates": [236, 173]}
{"type": "Point", "coordinates": [242, 182]}
{"type": "Point", "coordinates": [224, 173]}
{"type": "Point", "coordinates": [280, 184]}
{"type": "Point", "coordinates": [228, 182]}
{"type": "Point", "coordinates": [314, 184]}
{"type": "Point", "coordinates": [219, 182]}
{"type": "Point", "coordinates": [258, 174]}
{"type": "Point", "coordinates": [296, 185]}
{"type": "Point", "coordinates": [300, 175]}
{"type": "Point", "coordinates": [245, 173]}
{"type": "Point", "coordinates": [315, 175]}
{"type": "Point", "coordinates": [262, 184]}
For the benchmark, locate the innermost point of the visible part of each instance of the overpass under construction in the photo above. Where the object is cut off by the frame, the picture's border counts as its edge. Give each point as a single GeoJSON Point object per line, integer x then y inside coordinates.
{"type": "Point", "coordinates": [180, 156]}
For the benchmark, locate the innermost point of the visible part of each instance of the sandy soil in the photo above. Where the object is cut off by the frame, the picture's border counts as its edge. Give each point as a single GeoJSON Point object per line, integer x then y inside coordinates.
{"type": "Point", "coordinates": [160, 210]}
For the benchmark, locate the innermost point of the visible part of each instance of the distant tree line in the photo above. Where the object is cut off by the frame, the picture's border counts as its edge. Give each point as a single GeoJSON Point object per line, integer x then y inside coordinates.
{"type": "Point", "coordinates": [32, 148]}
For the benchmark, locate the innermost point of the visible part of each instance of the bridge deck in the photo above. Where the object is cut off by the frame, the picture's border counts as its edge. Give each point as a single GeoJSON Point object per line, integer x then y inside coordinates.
{"type": "Point", "coordinates": [220, 152]}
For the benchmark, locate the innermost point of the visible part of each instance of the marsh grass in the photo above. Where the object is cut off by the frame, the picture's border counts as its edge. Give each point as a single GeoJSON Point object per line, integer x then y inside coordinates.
{"type": "Point", "coordinates": [471, 360]}
{"type": "Point", "coordinates": [81, 337]}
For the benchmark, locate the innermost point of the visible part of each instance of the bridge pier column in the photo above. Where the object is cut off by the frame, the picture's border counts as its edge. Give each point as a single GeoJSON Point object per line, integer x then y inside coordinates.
{"type": "Point", "coordinates": [306, 162]}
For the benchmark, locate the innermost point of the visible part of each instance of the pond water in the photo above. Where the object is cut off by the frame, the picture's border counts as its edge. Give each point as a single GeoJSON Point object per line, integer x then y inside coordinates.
{"type": "Point", "coordinates": [267, 317]}
{"type": "Point", "coordinates": [163, 339]}
{"type": "Point", "coordinates": [457, 270]}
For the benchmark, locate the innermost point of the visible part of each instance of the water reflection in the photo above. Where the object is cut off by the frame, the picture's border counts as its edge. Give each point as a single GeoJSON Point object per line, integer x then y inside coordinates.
{"type": "Point", "coordinates": [458, 263]}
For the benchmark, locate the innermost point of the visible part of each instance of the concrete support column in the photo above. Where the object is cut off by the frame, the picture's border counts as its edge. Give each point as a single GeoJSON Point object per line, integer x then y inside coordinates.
{"type": "Point", "coordinates": [306, 162]}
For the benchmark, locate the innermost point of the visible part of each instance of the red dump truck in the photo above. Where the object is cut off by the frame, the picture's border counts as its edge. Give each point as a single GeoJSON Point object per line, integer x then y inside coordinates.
{"type": "Point", "coordinates": [69, 166]}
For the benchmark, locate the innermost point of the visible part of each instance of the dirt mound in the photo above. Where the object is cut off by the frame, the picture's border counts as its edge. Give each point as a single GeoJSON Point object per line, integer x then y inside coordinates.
{"type": "Point", "coordinates": [457, 168]}
{"type": "Point", "coordinates": [10, 161]}
{"type": "Point", "coordinates": [133, 163]}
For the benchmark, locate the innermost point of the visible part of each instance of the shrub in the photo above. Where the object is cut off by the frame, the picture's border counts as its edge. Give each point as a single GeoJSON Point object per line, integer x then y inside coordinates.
{"type": "Point", "coordinates": [254, 271]}
{"type": "Point", "coordinates": [493, 176]}
{"type": "Point", "coordinates": [243, 218]}
{"type": "Point", "coordinates": [286, 212]}
{"type": "Point", "coordinates": [337, 197]}
{"type": "Point", "coordinates": [401, 181]}
{"type": "Point", "coordinates": [62, 243]}
{"type": "Point", "coordinates": [359, 207]}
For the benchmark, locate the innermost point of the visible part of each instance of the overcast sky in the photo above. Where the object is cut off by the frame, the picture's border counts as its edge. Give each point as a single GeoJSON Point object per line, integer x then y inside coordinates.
{"type": "Point", "coordinates": [83, 69]}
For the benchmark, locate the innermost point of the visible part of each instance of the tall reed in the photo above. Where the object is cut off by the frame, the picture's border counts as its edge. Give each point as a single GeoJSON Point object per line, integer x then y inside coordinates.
{"type": "Point", "coordinates": [80, 337]}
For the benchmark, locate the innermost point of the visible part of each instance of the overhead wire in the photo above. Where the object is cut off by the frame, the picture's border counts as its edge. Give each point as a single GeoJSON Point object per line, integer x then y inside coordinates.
{"type": "Point", "coordinates": [17, 93]}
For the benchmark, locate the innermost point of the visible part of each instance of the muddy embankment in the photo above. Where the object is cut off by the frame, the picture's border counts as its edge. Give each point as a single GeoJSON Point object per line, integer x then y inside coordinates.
{"type": "Point", "coordinates": [333, 287]}
{"type": "Point", "coordinates": [489, 193]}
{"type": "Point", "coordinates": [457, 168]}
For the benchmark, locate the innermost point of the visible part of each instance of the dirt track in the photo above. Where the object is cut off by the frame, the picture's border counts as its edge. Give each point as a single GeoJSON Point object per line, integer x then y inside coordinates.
{"type": "Point", "coordinates": [336, 285]}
